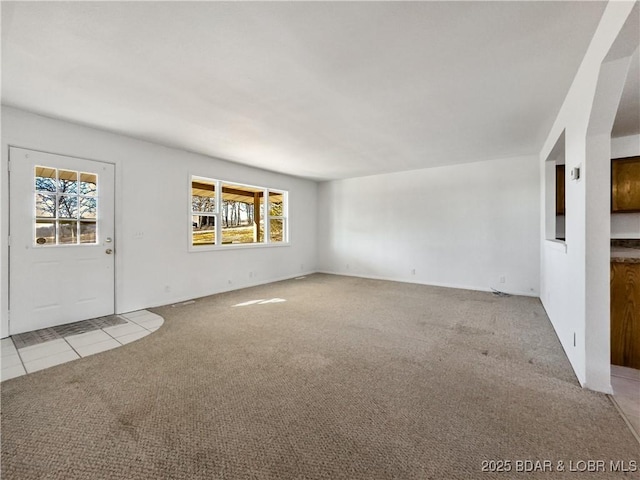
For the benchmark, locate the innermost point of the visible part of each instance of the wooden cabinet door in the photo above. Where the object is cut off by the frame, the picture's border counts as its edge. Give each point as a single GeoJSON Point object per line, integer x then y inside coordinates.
{"type": "Point", "coordinates": [625, 314]}
{"type": "Point", "coordinates": [625, 184]}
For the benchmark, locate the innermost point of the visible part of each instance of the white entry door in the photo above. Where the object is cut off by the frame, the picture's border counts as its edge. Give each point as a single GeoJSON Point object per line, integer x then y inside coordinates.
{"type": "Point", "coordinates": [61, 240]}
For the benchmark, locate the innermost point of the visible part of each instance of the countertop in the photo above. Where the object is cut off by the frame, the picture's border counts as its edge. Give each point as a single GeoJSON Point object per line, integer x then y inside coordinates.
{"type": "Point", "coordinates": [625, 255]}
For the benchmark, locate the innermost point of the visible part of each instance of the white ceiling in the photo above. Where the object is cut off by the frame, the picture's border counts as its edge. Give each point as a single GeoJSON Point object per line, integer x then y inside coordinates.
{"type": "Point", "coordinates": [322, 90]}
{"type": "Point", "coordinates": [627, 120]}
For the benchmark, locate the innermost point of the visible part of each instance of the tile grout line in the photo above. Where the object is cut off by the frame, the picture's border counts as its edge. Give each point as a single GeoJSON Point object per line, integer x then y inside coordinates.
{"type": "Point", "coordinates": [112, 337]}
{"type": "Point", "coordinates": [20, 357]}
{"type": "Point", "coordinates": [67, 342]}
{"type": "Point", "coordinates": [136, 323]}
{"type": "Point", "coordinates": [24, 364]}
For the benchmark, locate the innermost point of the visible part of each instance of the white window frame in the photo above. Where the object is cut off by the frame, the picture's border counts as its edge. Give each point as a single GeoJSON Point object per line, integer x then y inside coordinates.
{"type": "Point", "coordinates": [57, 219]}
{"type": "Point", "coordinates": [284, 217]}
{"type": "Point", "coordinates": [217, 214]}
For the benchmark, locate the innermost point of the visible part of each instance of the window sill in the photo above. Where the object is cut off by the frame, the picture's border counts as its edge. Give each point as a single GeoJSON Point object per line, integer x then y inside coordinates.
{"type": "Point", "coordinates": [236, 246]}
{"type": "Point", "coordinates": [559, 245]}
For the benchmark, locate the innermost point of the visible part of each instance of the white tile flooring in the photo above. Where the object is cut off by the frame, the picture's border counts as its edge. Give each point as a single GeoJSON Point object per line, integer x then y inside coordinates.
{"type": "Point", "coordinates": [17, 362]}
{"type": "Point", "coordinates": [626, 393]}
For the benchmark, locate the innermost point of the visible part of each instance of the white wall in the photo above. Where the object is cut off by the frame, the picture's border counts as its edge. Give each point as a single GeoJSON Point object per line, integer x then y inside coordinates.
{"type": "Point", "coordinates": [625, 225]}
{"type": "Point", "coordinates": [575, 275]}
{"type": "Point", "coordinates": [152, 189]}
{"type": "Point", "coordinates": [461, 226]}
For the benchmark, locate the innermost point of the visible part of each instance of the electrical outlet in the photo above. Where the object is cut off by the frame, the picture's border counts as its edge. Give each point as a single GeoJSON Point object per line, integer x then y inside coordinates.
{"type": "Point", "coordinates": [413, 271]}
{"type": "Point", "coordinates": [347, 266]}
{"type": "Point", "coordinates": [503, 279]}
{"type": "Point", "coordinates": [250, 274]}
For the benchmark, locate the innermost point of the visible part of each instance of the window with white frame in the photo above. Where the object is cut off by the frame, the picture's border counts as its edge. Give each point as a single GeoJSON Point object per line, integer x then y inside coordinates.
{"type": "Point", "coordinates": [66, 206]}
{"type": "Point", "coordinates": [225, 213]}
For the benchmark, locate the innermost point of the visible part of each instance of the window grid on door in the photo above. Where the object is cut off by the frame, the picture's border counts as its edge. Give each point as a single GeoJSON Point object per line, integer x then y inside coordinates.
{"type": "Point", "coordinates": [66, 207]}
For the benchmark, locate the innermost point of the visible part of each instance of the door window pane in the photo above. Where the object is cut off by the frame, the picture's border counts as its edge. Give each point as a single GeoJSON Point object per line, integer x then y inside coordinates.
{"type": "Point", "coordinates": [88, 207]}
{"type": "Point", "coordinates": [67, 232]}
{"type": "Point", "coordinates": [88, 184]}
{"type": "Point", "coordinates": [67, 181]}
{"type": "Point", "coordinates": [67, 206]}
{"type": "Point", "coordinates": [87, 232]}
{"type": "Point", "coordinates": [45, 233]}
{"type": "Point", "coordinates": [62, 199]}
{"type": "Point", "coordinates": [45, 179]}
{"type": "Point", "coordinates": [45, 206]}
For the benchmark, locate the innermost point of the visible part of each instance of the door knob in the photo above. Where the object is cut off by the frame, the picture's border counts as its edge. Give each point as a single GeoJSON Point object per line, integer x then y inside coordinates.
{"type": "Point", "coordinates": [108, 251]}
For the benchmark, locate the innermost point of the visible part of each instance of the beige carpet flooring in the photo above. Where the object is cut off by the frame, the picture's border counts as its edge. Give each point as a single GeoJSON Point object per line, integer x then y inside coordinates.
{"type": "Point", "coordinates": [347, 379]}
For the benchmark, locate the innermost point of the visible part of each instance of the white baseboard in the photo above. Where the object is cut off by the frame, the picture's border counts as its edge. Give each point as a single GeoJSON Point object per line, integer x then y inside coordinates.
{"type": "Point", "coordinates": [231, 288]}
{"type": "Point", "coordinates": [432, 284]}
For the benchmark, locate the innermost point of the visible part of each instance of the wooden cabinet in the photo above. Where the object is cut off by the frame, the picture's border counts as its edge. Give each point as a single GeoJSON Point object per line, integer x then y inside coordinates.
{"type": "Point", "coordinates": [625, 184]}
{"type": "Point", "coordinates": [625, 314]}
